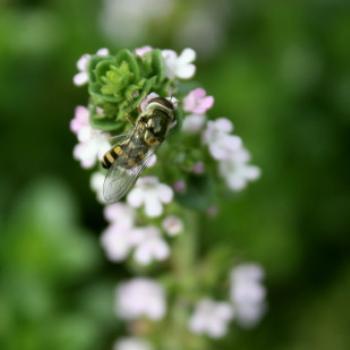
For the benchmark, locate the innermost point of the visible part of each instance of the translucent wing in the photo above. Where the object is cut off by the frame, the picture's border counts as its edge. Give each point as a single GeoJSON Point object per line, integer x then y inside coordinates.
{"type": "Point", "coordinates": [116, 140]}
{"type": "Point", "coordinates": [119, 180]}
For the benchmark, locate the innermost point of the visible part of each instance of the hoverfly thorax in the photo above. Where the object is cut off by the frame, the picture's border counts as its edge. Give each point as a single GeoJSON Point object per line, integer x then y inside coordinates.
{"type": "Point", "coordinates": [159, 117]}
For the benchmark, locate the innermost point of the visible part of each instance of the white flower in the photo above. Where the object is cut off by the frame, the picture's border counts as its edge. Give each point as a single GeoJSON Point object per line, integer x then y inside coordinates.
{"type": "Point", "coordinates": [82, 77]}
{"type": "Point", "coordinates": [80, 120]}
{"type": "Point", "coordinates": [119, 237]}
{"type": "Point", "coordinates": [132, 343]}
{"type": "Point", "coordinates": [117, 242]}
{"type": "Point", "coordinates": [150, 193]}
{"type": "Point", "coordinates": [193, 123]}
{"type": "Point", "coordinates": [219, 140]}
{"type": "Point", "coordinates": [150, 245]}
{"type": "Point", "coordinates": [120, 214]}
{"type": "Point", "coordinates": [96, 183]}
{"type": "Point", "coordinates": [179, 66]}
{"type": "Point", "coordinates": [140, 297]}
{"type": "Point", "coordinates": [236, 170]}
{"type": "Point", "coordinates": [211, 318]}
{"type": "Point", "coordinates": [92, 143]}
{"type": "Point", "coordinates": [248, 293]}
{"type": "Point", "coordinates": [172, 225]}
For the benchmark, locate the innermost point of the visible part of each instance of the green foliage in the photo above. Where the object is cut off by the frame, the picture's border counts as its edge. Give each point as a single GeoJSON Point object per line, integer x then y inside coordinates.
{"type": "Point", "coordinates": [117, 85]}
{"type": "Point", "coordinates": [44, 256]}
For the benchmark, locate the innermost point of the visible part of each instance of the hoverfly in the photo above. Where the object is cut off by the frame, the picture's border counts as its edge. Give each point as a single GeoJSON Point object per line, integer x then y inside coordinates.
{"type": "Point", "coordinates": [131, 153]}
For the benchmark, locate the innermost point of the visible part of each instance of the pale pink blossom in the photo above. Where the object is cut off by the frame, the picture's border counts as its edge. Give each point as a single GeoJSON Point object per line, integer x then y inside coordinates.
{"type": "Point", "coordinates": [93, 144]}
{"type": "Point", "coordinates": [179, 186]}
{"type": "Point", "coordinates": [150, 246]}
{"type": "Point", "coordinates": [151, 194]}
{"type": "Point", "coordinates": [172, 225]}
{"type": "Point", "coordinates": [120, 214]}
{"type": "Point", "coordinates": [248, 293]}
{"type": "Point", "coordinates": [193, 123]}
{"type": "Point", "coordinates": [80, 120]}
{"type": "Point", "coordinates": [140, 297]}
{"type": "Point", "coordinates": [141, 51]}
{"type": "Point", "coordinates": [119, 237]}
{"type": "Point", "coordinates": [198, 102]}
{"type": "Point", "coordinates": [211, 318]}
{"type": "Point", "coordinates": [237, 171]}
{"type": "Point", "coordinates": [117, 242]}
{"type": "Point", "coordinates": [220, 142]}
{"type": "Point", "coordinates": [198, 168]}
{"type": "Point", "coordinates": [91, 148]}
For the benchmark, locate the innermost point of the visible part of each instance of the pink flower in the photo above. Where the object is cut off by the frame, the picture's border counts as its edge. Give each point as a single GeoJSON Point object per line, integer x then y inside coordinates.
{"type": "Point", "coordinates": [198, 102]}
{"type": "Point", "coordinates": [80, 120]}
{"type": "Point", "coordinates": [198, 168]}
{"type": "Point", "coordinates": [179, 186]}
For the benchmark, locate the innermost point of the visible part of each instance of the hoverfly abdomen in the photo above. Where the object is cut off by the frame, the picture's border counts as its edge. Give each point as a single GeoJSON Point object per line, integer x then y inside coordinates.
{"type": "Point", "coordinates": [111, 156]}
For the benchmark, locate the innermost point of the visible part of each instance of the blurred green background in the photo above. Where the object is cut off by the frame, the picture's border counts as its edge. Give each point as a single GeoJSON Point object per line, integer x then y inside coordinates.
{"type": "Point", "coordinates": [279, 69]}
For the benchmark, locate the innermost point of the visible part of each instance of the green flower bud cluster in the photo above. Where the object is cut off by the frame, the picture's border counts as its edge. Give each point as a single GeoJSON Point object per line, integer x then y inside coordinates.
{"type": "Point", "coordinates": [118, 83]}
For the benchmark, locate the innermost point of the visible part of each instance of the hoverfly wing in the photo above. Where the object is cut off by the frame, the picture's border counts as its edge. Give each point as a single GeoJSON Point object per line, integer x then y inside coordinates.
{"type": "Point", "coordinates": [116, 140]}
{"type": "Point", "coordinates": [119, 180]}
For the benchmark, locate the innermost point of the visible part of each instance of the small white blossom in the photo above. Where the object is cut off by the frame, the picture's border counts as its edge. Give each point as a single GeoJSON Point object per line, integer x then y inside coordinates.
{"type": "Point", "coordinates": [179, 66]}
{"type": "Point", "coordinates": [193, 123]}
{"type": "Point", "coordinates": [120, 214]}
{"type": "Point", "coordinates": [91, 148]}
{"type": "Point", "coordinates": [80, 120]}
{"type": "Point", "coordinates": [119, 237]}
{"type": "Point", "coordinates": [211, 318]}
{"type": "Point", "coordinates": [150, 246]}
{"type": "Point", "coordinates": [132, 343]}
{"type": "Point", "coordinates": [117, 242]}
{"type": "Point", "coordinates": [248, 293]}
{"type": "Point", "coordinates": [219, 140]}
{"type": "Point", "coordinates": [172, 225]}
{"type": "Point", "coordinates": [92, 143]}
{"type": "Point", "coordinates": [82, 77]}
{"type": "Point", "coordinates": [236, 170]}
{"type": "Point", "coordinates": [140, 297]}
{"type": "Point", "coordinates": [151, 194]}
{"type": "Point", "coordinates": [96, 183]}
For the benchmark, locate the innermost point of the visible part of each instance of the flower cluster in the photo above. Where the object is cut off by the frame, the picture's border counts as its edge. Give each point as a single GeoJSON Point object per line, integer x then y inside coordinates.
{"type": "Point", "coordinates": [246, 305]}
{"type": "Point", "coordinates": [146, 243]}
{"type": "Point", "coordinates": [153, 227]}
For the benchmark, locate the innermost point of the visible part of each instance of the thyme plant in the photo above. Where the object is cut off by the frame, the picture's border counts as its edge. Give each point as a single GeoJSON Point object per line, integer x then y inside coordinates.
{"type": "Point", "coordinates": [178, 298]}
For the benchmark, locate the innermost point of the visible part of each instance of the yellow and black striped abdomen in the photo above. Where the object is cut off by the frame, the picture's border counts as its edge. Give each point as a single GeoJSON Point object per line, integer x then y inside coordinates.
{"type": "Point", "coordinates": [111, 156]}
